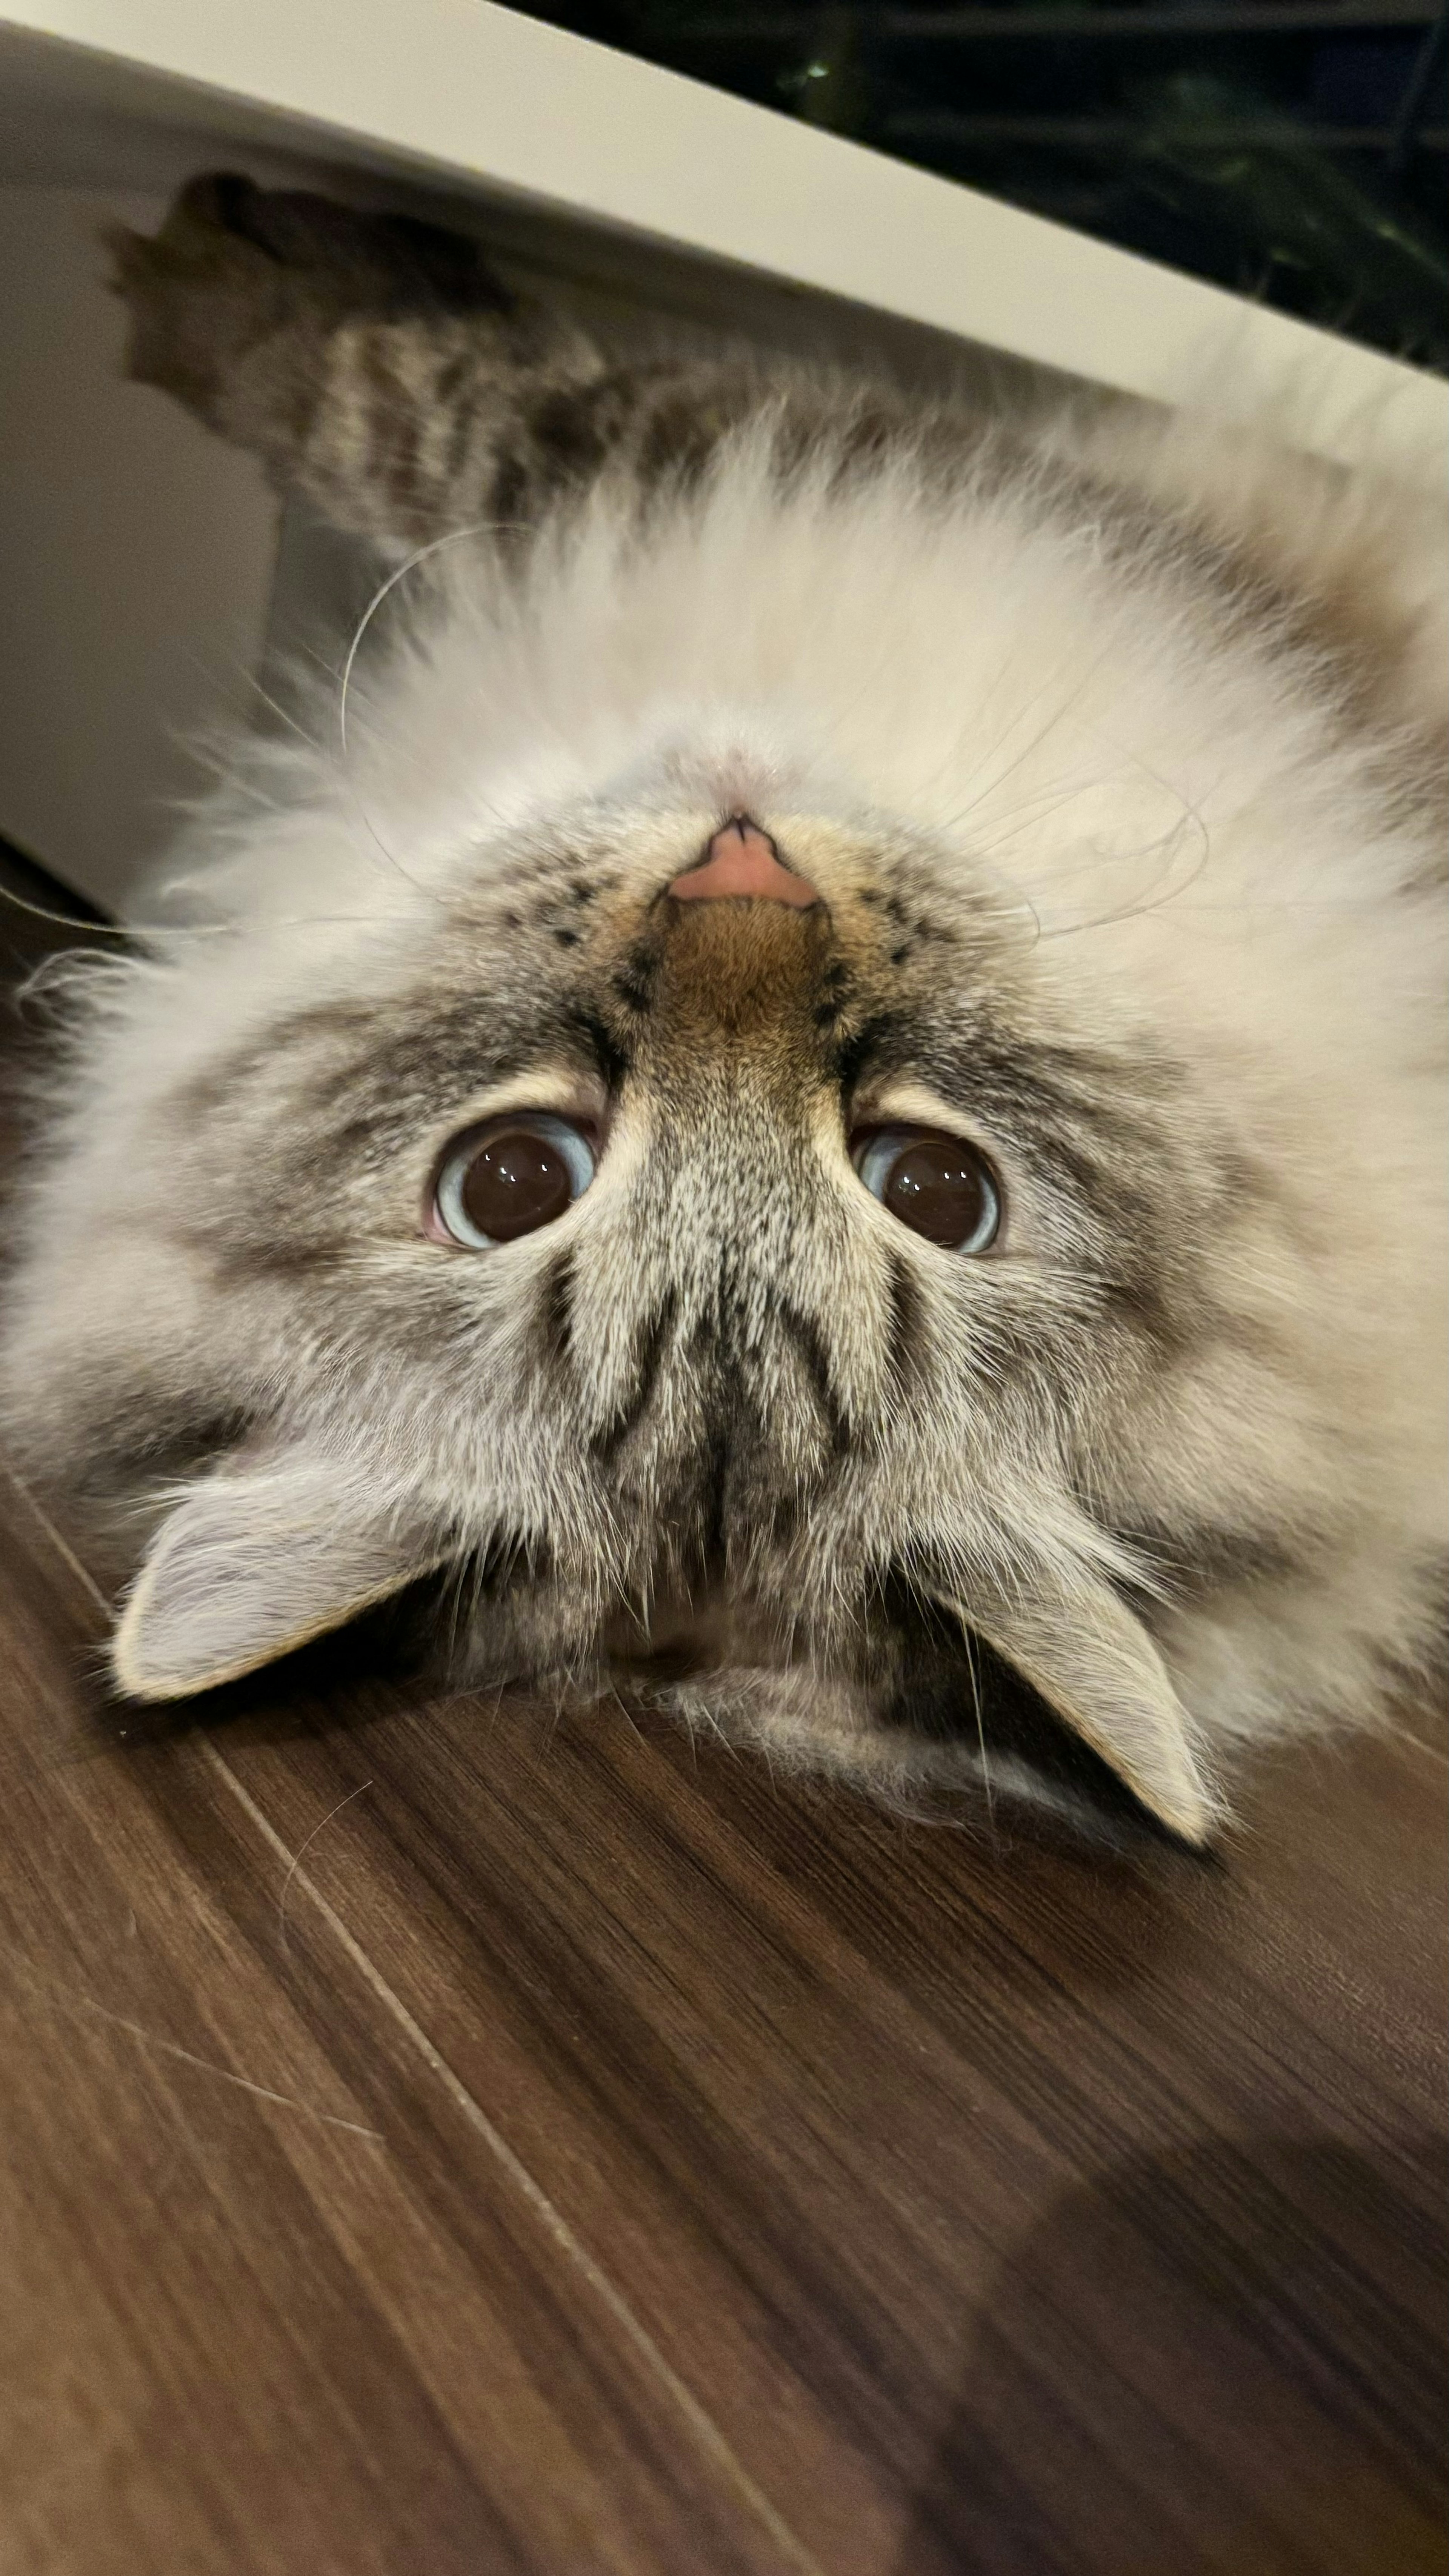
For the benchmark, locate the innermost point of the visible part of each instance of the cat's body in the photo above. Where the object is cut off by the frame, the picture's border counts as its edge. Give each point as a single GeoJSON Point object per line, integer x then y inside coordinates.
{"type": "Point", "coordinates": [1109, 754]}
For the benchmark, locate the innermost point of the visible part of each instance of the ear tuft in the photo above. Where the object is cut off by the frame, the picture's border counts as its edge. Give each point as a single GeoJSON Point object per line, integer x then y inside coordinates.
{"type": "Point", "coordinates": [252, 1563]}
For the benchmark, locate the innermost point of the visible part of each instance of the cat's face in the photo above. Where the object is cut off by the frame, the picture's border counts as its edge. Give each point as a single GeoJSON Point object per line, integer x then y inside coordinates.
{"type": "Point", "coordinates": [1023, 1245]}
{"type": "Point", "coordinates": [727, 1281]}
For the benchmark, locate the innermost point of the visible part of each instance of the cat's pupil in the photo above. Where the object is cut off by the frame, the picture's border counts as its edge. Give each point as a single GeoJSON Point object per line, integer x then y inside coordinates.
{"type": "Point", "coordinates": [515, 1182]}
{"type": "Point", "coordinates": [938, 1188]}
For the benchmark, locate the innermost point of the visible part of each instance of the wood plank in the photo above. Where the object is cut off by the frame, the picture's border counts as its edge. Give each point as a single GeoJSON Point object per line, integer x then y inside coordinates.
{"type": "Point", "coordinates": [1009, 2208]}
{"type": "Point", "coordinates": [269, 2301]}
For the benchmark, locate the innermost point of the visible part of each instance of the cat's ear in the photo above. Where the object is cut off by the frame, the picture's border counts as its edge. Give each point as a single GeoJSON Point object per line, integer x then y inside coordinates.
{"type": "Point", "coordinates": [1070, 1636]}
{"type": "Point", "coordinates": [254, 1561]}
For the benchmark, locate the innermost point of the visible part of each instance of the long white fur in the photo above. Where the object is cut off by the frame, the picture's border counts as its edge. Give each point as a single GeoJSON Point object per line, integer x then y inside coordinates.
{"type": "Point", "coordinates": [1197, 841]}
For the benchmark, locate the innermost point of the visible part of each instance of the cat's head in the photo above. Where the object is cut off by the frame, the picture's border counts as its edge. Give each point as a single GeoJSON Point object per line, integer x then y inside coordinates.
{"type": "Point", "coordinates": [998, 1236]}
{"type": "Point", "coordinates": [697, 1232]}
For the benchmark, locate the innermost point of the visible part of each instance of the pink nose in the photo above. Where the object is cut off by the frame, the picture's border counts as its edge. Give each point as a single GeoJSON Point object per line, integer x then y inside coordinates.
{"type": "Point", "coordinates": [741, 861]}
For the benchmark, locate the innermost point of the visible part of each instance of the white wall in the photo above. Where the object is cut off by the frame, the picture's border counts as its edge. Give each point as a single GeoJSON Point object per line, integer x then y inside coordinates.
{"type": "Point", "coordinates": [135, 560]}
{"type": "Point", "coordinates": [481, 101]}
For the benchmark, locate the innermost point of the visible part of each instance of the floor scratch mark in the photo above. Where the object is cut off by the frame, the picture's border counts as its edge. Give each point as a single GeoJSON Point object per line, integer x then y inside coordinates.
{"type": "Point", "coordinates": [151, 2039]}
{"type": "Point", "coordinates": [303, 1846]}
{"type": "Point", "coordinates": [703, 2428]}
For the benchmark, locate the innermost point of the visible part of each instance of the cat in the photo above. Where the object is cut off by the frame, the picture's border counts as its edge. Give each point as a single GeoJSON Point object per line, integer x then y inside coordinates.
{"type": "Point", "coordinates": [819, 1092]}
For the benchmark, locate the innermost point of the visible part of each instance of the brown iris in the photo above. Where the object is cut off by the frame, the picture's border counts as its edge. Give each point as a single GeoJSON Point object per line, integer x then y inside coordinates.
{"type": "Point", "coordinates": [938, 1185]}
{"type": "Point", "coordinates": [508, 1179]}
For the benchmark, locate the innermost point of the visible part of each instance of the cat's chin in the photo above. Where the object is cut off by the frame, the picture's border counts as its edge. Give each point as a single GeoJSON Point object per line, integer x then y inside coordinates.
{"type": "Point", "coordinates": [811, 1724]}
{"type": "Point", "coordinates": [966, 1742]}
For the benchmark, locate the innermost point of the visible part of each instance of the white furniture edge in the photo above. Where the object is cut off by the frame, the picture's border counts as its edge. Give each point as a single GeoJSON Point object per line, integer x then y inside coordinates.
{"type": "Point", "coordinates": [487, 98]}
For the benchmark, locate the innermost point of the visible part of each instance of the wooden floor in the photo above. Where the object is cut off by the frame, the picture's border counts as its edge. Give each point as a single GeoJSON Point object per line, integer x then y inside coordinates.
{"type": "Point", "coordinates": [440, 2141]}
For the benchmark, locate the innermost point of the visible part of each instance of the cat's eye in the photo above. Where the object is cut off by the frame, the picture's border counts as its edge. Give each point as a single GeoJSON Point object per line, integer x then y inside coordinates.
{"type": "Point", "coordinates": [520, 1171]}
{"type": "Point", "coordinates": [936, 1184]}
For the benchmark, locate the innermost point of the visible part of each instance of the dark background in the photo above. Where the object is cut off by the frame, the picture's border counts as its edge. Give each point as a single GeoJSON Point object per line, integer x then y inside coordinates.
{"type": "Point", "coordinates": [1295, 150]}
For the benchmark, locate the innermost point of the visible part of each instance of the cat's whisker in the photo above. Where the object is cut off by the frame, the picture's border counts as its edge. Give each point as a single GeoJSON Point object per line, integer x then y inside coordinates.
{"type": "Point", "coordinates": [993, 781]}
{"type": "Point", "coordinates": [283, 714]}
{"type": "Point", "coordinates": [420, 555]}
{"type": "Point", "coordinates": [974, 1678]}
{"type": "Point", "coordinates": [62, 920]}
{"type": "Point", "coordinates": [1145, 905]}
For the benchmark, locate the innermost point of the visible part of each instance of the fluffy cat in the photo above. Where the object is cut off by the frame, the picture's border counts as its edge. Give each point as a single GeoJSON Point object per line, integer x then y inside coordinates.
{"type": "Point", "coordinates": [829, 1081]}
